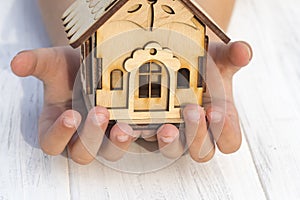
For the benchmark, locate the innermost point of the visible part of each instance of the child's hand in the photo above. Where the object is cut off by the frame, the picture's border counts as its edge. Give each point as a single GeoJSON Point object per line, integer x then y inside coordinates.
{"type": "Point", "coordinates": [57, 68]}
{"type": "Point", "coordinates": [222, 115]}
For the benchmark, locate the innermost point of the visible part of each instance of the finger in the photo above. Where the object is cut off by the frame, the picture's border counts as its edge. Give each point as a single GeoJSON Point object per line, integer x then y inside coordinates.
{"type": "Point", "coordinates": [56, 67]}
{"type": "Point", "coordinates": [201, 146]}
{"type": "Point", "coordinates": [149, 135]}
{"type": "Point", "coordinates": [222, 114]}
{"type": "Point", "coordinates": [54, 139]}
{"type": "Point", "coordinates": [225, 128]}
{"type": "Point", "coordinates": [230, 58]}
{"type": "Point", "coordinates": [44, 63]}
{"type": "Point", "coordinates": [85, 148]}
{"type": "Point", "coordinates": [169, 141]}
{"type": "Point", "coordinates": [120, 138]}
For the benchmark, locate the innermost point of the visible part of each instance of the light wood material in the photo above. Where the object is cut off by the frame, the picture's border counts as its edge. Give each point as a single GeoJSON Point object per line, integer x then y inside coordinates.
{"type": "Point", "coordinates": [84, 18]}
{"type": "Point", "coordinates": [51, 14]}
{"type": "Point", "coordinates": [116, 20]}
{"type": "Point", "coordinates": [220, 12]}
{"type": "Point", "coordinates": [266, 93]}
{"type": "Point", "coordinates": [168, 43]}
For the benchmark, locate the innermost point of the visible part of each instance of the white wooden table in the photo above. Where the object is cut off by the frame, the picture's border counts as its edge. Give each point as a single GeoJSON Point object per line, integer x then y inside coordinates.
{"type": "Point", "coordinates": [267, 96]}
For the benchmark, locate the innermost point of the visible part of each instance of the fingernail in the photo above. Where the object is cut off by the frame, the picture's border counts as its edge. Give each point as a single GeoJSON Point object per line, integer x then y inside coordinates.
{"type": "Point", "coordinates": [125, 128]}
{"type": "Point", "coordinates": [249, 49]}
{"type": "Point", "coordinates": [70, 122]}
{"type": "Point", "coordinates": [167, 139]}
{"type": "Point", "coordinates": [123, 138]}
{"type": "Point", "coordinates": [23, 51]}
{"type": "Point", "coordinates": [127, 131]}
{"type": "Point", "coordinates": [193, 114]}
{"type": "Point", "coordinates": [148, 133]}
{"type": "Point", "coordinates": [215, 117]}
{"type": "Point", "coordinates": [98, 118]}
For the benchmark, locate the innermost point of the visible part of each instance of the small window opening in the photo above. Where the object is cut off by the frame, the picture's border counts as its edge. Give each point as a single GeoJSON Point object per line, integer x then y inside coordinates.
{"type": "Point", "coordinates": [116, 80]}
{"type": "Point", "coordinates": [183, 78]}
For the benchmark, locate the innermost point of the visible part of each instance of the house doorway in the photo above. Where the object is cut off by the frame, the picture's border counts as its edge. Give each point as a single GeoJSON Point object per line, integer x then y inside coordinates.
{"type": "Point", "coordinates": [151, 87]}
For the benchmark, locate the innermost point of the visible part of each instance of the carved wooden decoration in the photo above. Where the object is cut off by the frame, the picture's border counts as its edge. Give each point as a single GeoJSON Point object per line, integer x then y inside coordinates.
{"type": "Point", "coordinates": [142, 59]}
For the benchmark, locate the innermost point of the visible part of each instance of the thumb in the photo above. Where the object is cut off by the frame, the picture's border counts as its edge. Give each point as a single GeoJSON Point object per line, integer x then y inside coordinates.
{"type": "Point", "coordinates": [230, 58]}
{"type": "Point", "coordinates": [45, 63]}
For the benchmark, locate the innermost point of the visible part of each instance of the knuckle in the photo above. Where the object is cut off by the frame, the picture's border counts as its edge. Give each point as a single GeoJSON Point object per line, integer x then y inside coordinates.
{"type": "Point", "coordinates": [50, 151]}
{"type": "Point", "coordinates": [78, 157]}
{"type": "Point", "coordinates": [111, 157]}
{"type": "Point", "coordinates": [47, 148]}
{"type": "Point", "coordinates": [167, 130]}
{"type": "Point", "coordinates": [81, 160]}
{"type": "Point", "coordinates": [231, 147]}
{"type": "Point", "coordinates": [207, 158]}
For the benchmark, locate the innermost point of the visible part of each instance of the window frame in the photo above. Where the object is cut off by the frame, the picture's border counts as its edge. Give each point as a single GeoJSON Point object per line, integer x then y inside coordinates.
{"type": "Point", "coordinates": [147, 70]}
{"type": "Point", "coordinates": [119, 81]}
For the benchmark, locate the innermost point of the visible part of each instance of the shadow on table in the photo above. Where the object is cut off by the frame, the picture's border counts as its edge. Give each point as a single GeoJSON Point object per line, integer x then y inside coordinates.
{"type": "Point", "coordinates": [31, 106]}
{"type": "Point", "coordinates": [22, 28]}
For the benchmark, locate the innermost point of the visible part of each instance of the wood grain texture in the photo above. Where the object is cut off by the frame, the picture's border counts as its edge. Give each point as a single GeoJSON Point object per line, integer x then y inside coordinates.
{"type": "Point", "coordinates": [266, 93]}
{"type": "Point", "coordinates": [231, 177]}
{"type": "Point", "coordinates": [83, 18]}
{"type": "Point", "coordinates": [25, 172]}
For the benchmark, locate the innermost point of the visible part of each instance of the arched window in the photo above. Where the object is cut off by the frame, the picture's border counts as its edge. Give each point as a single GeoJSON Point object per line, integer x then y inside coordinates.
{"type": "Point", "coordinates": [150, 80]}
{"type": "Point", "coordinates": [183, 78]}
{"type": "Point", "coordinates": [116, 80]}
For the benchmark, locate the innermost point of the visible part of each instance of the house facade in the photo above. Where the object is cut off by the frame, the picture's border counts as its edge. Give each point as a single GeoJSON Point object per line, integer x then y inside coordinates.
{"type": "Point", "coordinates": [142, 59]}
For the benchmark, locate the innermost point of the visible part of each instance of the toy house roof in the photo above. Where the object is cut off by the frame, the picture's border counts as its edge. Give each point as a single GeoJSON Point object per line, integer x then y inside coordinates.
{"type": "Point", "coordinates": [84, 17]}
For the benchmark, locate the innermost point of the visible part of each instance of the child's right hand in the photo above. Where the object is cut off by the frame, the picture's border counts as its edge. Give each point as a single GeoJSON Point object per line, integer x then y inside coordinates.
{"type": "Point", "coordinates": [57, 68]}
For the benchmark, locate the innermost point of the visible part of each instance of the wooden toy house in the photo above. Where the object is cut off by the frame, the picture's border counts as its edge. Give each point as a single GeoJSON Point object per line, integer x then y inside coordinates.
{"type": "Point", "coordinates": [142, 59]}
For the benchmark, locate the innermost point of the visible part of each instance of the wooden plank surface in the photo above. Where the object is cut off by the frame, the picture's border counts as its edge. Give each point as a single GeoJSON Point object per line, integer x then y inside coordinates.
{"type": "Point", "coordinates": [225, 177]}
{"type": "Point", "coordinates": [266, 93]}
{"type": "Point", "coordinates": [25, 172]}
